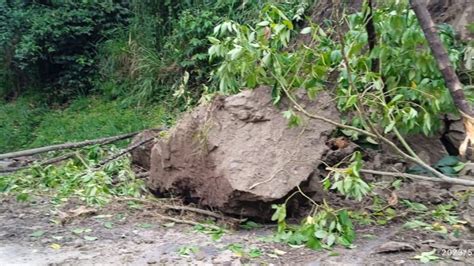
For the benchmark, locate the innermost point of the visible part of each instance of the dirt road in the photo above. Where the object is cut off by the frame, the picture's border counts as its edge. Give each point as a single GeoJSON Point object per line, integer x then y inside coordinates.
{"type": "Point", "coordinates": [30, 234]}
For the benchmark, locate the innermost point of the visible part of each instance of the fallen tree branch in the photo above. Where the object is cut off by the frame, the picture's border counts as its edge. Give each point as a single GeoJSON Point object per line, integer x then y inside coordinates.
{"type": "Point", "coordinates": [66, 146]}
{"type": "Point", "coordinates": [457, 181]}
{"type": "Point", "coordinates": [404, 155]}
{"type": "Point", "coordinates": [43, 163]}
{"type": "Point", "coordinates": [122, 153]}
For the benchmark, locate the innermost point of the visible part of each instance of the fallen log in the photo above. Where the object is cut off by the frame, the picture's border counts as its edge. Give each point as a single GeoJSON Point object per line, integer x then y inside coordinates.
{"type": "Point", "coordinates": [68, 145]}
{"type": "Point", "coordinates": [43, 163]}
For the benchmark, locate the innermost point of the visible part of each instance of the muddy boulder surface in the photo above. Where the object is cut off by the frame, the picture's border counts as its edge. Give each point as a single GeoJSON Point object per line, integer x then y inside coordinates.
{"type": "Point", "coordinates": [141, 155]}
{"type": "Point", "coordinates": [238, 154]}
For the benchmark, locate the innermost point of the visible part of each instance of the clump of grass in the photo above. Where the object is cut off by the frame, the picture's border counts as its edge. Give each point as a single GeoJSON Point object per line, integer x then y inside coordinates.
{"type": "Point", "coordinates": [27, 123]}
{"type": "Point", "coordinates": [89, 118]}
{"type": "Point", "coordinates": [19, 120]}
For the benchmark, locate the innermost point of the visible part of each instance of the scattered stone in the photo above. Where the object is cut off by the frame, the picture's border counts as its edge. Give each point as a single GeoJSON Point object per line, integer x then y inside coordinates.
{"type": "Point", "coordinates": [393, 246]}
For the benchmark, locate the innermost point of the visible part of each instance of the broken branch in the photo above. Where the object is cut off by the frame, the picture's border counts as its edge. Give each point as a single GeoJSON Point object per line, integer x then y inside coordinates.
{"type": "Point", "coordinates": [123, 152]}
{"type": "Point", "coordinates": [66, 146]}
{"type": "Point", "coordinates": [441, 177]}
{"type": "Point", "coordinates": [457, 181]}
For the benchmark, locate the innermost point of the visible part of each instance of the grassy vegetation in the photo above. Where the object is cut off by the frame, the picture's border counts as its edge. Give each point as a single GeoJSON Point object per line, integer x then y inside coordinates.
{"type": "Point", "coordinates": [26, 122]}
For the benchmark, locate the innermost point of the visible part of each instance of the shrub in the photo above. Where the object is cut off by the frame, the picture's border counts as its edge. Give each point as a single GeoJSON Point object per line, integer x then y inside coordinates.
{"type": "Point", "coordinates": [50, 45]}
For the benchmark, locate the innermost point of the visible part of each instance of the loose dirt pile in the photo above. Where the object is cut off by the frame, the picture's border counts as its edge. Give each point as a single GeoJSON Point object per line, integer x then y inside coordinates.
{"type": "Point", "coordinates": [238, 154]}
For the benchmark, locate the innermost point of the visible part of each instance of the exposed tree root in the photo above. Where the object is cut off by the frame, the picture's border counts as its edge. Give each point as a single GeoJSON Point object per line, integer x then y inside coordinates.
{"type": "Point", "coordinates": [181, 208]}
{"type": "Point", "coordinates": [181, 221]}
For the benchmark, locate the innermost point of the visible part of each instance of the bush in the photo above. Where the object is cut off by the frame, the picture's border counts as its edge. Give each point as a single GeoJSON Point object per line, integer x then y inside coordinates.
{"type": "Point", "coordinates": [51, 44]}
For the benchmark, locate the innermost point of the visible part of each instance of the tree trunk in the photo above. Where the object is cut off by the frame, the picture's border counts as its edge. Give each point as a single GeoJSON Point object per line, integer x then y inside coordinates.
{"type": "Point", "coordinates": [452, 81]}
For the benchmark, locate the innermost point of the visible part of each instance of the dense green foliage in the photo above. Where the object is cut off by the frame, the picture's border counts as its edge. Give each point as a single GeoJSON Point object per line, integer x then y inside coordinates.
{"type": "Point", "coordinates": [50, 45]}
{"type": "Point", "coordinates": [407, 93]}
{"type": "Point", "coordinates": [148, 60]}
{"type": "Point", "coordinates": [146, 53]}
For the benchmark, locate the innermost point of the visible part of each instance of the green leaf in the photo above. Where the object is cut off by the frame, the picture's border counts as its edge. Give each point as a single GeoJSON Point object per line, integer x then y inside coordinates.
{"type": "Point", "coordinates": [255, 253]}
{"type": "Point", "coordinates": [169, 224]}
{"type": "Point", "coordinates": [145, 225]}
{"type": "Point", "coordinates": [320, 234]}
{"type": "Point", "coordinates": [108, 225]}
{"type": "Point", "coordinates": [459, 166]}
{"type": "Point", "coordinates": [248, 225]}
{"type": "Point", "coordinates": [447, 161]}
{"type": "Point", "coordinates": [351, 101]}
{"type": "Point", "coordinates": [78, 231]}
{"type": "Point", "coordinates": [389, 127]}
{"type": "Point", "coordinates": [331, 240]}
{"type": "Point", "coordinates": [90, 238]}
{"type": "Point", "coordinates": [306, 30]}
{"type": "Point", "coordinates": [38, 233]}
{"type": "Point", "coordinates": [336, 56]}
{"type": "Point", "coordinates": [413, 224]}
{"type": "Point", "coordinates": [314, 244]}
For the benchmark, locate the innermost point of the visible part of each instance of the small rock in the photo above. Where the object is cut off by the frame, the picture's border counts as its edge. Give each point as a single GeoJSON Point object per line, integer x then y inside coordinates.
{"type": "Point", "coordinates": [152, 262]}
{"type": "Point", "coordinates": [428, 241]}
{"type": "Point", "coordinates": [455, 242]}
{"type": "Point", "coordinates": [393, 246]}
{"type": "Point", "coordinates": [466, 245]}
{"type": "Point", "coordinates": [78, 243]}
{"type": "Point", "coordinates": [399, 262]}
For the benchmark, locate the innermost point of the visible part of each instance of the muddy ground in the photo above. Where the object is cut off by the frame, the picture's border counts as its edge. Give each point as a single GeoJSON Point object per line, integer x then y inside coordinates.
{"type": "Point", "coordinates": [32, 234]}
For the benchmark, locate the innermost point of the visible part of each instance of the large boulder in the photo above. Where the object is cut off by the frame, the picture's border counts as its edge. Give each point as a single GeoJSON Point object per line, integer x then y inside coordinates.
{"type": "Point", "coordinates": [238, 154]}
